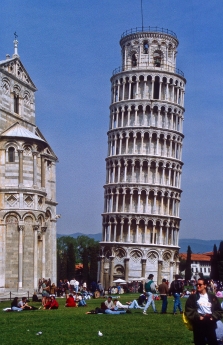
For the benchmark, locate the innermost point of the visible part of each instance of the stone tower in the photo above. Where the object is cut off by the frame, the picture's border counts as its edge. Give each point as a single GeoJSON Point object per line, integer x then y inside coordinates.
{"type": "Point", "coordinates": [27, 185]}
{"type": "Point", "coordinates": [141, 221]}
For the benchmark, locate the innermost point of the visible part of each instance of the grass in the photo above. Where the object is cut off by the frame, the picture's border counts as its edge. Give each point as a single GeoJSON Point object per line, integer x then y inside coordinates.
{"type": "Point", "coordinates": [70, 326]}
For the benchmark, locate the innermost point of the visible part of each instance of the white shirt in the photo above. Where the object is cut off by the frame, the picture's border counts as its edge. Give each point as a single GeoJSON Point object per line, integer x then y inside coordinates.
{"type": "Point", "coordinates": [204, 306]}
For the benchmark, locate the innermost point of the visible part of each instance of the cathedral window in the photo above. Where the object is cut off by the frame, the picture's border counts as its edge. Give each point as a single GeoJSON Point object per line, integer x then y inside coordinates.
{"type": "Point", "coordinates": [16, 103]}
{"type": "Point", "coordinates": [11, 154]}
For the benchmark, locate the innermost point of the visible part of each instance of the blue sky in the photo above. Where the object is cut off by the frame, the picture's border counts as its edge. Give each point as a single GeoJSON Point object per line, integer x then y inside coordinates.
{"type": "Point", "coordinates": [70, 48]}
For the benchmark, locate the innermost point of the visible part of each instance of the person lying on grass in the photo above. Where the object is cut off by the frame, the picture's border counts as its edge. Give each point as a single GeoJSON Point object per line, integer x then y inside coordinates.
{"type": "Point", "coordinates": [107, 311]}
{"type": "Point", "coordinates": [130, 305]}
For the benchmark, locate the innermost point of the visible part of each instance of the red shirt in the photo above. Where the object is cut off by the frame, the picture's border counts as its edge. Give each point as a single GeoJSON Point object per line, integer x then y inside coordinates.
{"type": "Point", "coordinates": [70, 302]}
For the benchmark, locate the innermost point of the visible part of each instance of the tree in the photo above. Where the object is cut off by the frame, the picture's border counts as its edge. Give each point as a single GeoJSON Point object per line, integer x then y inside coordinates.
{"type": "Point", "coordinates": [188, 264]}
{"type": "Point", "coordinates": [66, 246]}
{"type": "Point", "coordinates": [93, 259]}
{"type": "Point", "coordinates": [214, 264]}
{"type": "Point", "coordinates": [182, 264]}
{"type": "Point", "coordinates": [85, 259]}
{"type": "Point", "coordinates": [70, 261]}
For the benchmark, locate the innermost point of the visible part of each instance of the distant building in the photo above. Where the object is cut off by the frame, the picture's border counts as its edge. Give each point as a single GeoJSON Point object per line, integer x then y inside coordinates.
{"type": "Point", "coordinates": [200, 263]}
{"type": "Point", "coordinates": [27, 185]}
{"type": "Point", "coordinates": [141, 220]}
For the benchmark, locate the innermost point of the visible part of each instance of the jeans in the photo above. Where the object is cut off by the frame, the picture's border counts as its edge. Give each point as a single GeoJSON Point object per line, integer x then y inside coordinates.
{"type": "Point", "coordinates": [116, 312]}
{"type": "Point", "coordinates": [164, 303]}
{"type": "Point", "coordinates": [81, 303]}
{"type": "Point", "coordinates": [177, 303]}
{"type": "Point", "coordinates": [150, 301]}
{"type": "Point", "coordinates": [16, 309]}
{"type": "Point", "coordinates": [134, 305]}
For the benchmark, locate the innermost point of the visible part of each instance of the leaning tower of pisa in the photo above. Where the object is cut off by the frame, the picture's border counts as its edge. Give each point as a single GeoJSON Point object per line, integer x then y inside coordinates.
{"type": "Point", "coordinates": [141, 220]}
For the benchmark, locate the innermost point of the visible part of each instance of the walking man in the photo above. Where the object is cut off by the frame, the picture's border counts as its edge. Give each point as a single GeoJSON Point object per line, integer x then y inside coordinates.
{"type": "Point", "coordinates": [163, 290]}
{"type": "Point", "coordinates": [203, 310]}
{"type": "Point", "coordinates": [150, 289]}
{"type": "Point", "coordinates": [176, 288]}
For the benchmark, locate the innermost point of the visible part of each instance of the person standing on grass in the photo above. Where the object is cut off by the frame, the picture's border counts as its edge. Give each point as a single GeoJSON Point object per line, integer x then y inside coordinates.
{"type": "Point", "coordinates": [203, 310]}
{"type": "Point", "coordinates": [150, 289]}
{"type": "Point", "coordinates": [176, 288]}
{"type": "Point", "coordinates": [163, 290]}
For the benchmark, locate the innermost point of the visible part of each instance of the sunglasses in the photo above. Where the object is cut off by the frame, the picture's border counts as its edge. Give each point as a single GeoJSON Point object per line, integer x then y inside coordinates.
{"type": "Point", "coordinates": [199, 284]}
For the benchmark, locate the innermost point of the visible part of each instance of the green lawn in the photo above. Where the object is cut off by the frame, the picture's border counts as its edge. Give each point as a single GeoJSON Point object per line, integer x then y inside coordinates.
{"type": "Point", "coordinates": [69, 326]}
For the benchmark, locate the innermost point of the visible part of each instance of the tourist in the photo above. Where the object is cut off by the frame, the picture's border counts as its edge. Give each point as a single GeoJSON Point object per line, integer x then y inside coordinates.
{"type": "Point", "coordinates": [45, 292]}
{"type": "Point", "coordinates": [176, 288]}
{"type": "Point", "coordinates": [53, 303]}
{"type": "Point", "coordinates": [70, 302]}
{"type": "Point", "coordinates": [24, 305]}
{"type": "Point", "coordinates": [150, 289]}
{"type": "Point", "coordinates": [203, 310]}
{"type": "Point", "coordinates": [100, 288]}
{"type": "Point", "coordinates": [14, 305]}
{"type": "Point", "coordinates": [76, 285]}
{"type": "Point", "coordinates": [109, 303]}
{"type": "Point", "coordinates": [131, 305]}
{"type": "Point", "coordinates": [72, 285]}
{"type": "Point", "coordinates": [163, 290]}
{"type": "Point", "coordinates": [80, 300]}
{"type": "Point", "coordinates": [35, 298]}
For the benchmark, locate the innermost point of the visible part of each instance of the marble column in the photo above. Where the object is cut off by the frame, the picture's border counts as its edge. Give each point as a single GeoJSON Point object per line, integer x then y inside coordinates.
{"type": "Point", "coordinates": [111, 270]}
{"type": "Point", "coordinates": [159, 275]}
{"type": "Point", "coordinates": [143, 262]}
{"type": "Point", "coordinates": [35, 153]}
{"type": "Point", "coordinates": [20, 167]}
{"type": "Point", "coordinates": [35, 269]}
{"type": "Point", "coordinates": [21, 228]}
{"type": "Point", "coordinates": [102, 258]}
{"type": "Point", "coordinates": [126, 260]}
{"type": "Point", "coordinates": [43, 172]}
{"type": "Point", "coordinates": [43, 231]}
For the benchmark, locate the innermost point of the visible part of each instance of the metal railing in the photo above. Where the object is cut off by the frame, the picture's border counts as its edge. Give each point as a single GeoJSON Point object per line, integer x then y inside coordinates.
{"type": "Point", "coordinates": [9, 295]}
{"type": "Point", "coordinates": [148, 29]}
{"type": "Point", "coordinates": [147, 66]}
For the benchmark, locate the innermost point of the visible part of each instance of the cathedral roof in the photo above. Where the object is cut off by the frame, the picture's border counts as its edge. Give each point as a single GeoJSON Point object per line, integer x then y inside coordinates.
{"type": "Point", "coordinates": [14, 67]}
{"type": "Point", "coordinates": [18, 131]}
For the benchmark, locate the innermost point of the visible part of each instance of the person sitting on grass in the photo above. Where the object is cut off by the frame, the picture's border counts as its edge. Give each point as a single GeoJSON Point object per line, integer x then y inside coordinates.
{"type": "Point", "coordinates": [24, 305]}
{"type": "Point", "coordinates": [70, 302]}
{"type": "Point", "coordinates": [47, 303]}
{"type": "Point", "coordinates": [80, 300]}
{"type": "Point", "coordinates": [109, 303]}
{"type": "Point", "coordinates": [142, 299]}
{"type": "Point", "coordinates": [35, 298]}
{"type": "Point", "coordinates": [14, 305]}
{"type": "Point", "coordinates": [51, 303]}
{"type": "Point", "coordinates": [130, 305]}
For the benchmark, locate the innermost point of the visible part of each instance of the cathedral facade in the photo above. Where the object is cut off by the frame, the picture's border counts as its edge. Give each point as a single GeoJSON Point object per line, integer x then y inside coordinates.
{"type": "Point", "coordinates": [141, 219]}
{"type": "Point", "coordinates": [27, 185]}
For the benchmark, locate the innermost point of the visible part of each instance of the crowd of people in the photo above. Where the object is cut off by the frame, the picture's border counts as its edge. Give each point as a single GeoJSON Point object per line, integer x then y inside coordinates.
{"type": "Point", "coordinates": [202, 309]}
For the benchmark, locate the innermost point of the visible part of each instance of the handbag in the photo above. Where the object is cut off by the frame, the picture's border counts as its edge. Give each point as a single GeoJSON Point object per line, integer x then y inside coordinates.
{"type": "Point", "coordinates": [187, 322]}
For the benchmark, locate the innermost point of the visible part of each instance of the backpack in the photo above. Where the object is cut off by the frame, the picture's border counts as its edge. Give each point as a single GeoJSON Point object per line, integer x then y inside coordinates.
{"type": "Point", "coordinates": [148, 286]}
{"type": "Point", "coordinates": [176, 286]}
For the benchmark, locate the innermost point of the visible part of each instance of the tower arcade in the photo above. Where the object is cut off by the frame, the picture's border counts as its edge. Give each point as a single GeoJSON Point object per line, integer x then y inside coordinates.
{"type": "Point", "coordinates": [141, 218]}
